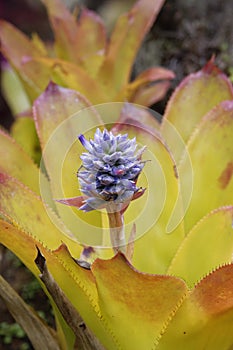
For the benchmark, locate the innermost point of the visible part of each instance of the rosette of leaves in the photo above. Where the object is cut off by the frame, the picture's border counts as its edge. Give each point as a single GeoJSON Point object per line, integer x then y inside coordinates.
{"type": "Point", "coordinates": [175, 290]}
{"type": "Point", "coordinates": [83, 58]}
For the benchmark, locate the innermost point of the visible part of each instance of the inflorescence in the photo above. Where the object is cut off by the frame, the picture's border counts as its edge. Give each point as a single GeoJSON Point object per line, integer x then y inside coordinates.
{"type": "Point", "coordinates": [109, 171]}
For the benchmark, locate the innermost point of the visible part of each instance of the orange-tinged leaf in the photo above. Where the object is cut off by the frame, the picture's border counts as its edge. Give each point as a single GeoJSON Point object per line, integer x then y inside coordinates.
{"type": "Point", "coordinates": [205, 319]}
{"type": "Point", "coordinates": [148, 95]}
{"type": "Point", "coordinates": [129, 299]}
{"type": "Point", "coordinates": [150, 86]}
{"type": "Point", "coordinates": [92, 36]}
{"type": "Point", "coordinates": [73, 202]}
{"type": "Point", "coordinates": [210, 150]}
{"type": "Point", "coordinates": [15, 45]}
{"type": "Point", "coordinates": [91, 41]}
{"type": "Point", "coordinates": [26, 210]}
{"type": "Point", "coordinates": [78, 41]}
{"type": "Point", "coordinates": [150, 75]}
{"type": "Point", "coordinates": [125, 41]}
{"type": "Point", "coordinates": [15, 162]}
{"type": "Point", "coordinates": [194, 97]}
{"type": "Point", "coordinates": [65, 29]}
{"type": "Point", "coordinates": [208, 245]}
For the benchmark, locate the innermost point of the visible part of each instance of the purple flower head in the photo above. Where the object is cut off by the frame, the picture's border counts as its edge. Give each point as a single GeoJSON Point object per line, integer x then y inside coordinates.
{"type": "Point", "coordinates": [109, 170]}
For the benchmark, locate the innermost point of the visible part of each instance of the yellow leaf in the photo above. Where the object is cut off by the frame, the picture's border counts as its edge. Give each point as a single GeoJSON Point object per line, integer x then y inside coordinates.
{"type": "Point", "coordinates": [26, 210]}
{"type": "Point", "coordinates": [158, 232]}
{"type": "Point", "coordinates": [208, 245]}
{"type": "Point", "coordinates": [193, 98]}
{"type": "Point", "coordinates": [60, 116]}
{"type": "Point", "coordinates": [24, 132]}
{"type": "Point", "coordinates": [15, 162]}
{"type": "Point", "coordinates": [210, 151]}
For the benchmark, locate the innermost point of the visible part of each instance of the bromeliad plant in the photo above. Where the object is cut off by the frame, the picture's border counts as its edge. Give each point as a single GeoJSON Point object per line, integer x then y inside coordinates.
{"type": "Point", "coordinates": [170, 284]}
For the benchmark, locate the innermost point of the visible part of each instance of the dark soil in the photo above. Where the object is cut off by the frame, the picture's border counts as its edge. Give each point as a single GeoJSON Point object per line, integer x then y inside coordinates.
{"type": "Point", "coordinates": [185, 36]}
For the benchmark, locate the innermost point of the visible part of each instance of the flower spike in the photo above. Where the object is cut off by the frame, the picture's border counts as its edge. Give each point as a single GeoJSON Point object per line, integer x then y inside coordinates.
{"type": "Point", "coordinates": [109, 171]}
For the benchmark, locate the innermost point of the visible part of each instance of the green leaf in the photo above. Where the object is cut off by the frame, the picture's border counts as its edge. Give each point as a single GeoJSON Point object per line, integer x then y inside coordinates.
{"type": "Point", "coordinates": [194, 97]}
{"type": "Point", "coordinates": [210, 151]}
{"type": "Point", "coordinates": [208, 245]}
{"type": "Point", "coordinates": [125, 41]}
{"type": "Point", "coordinates": [13, 90]}
{"type": "Point", "coordinates": [205, 319]}
{"type": "Point", "coordinates": [129, 299]}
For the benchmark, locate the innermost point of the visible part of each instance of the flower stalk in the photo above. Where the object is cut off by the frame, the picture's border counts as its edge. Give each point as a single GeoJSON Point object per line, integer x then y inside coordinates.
{"type": "Point", "coordinates": [117, 231]}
